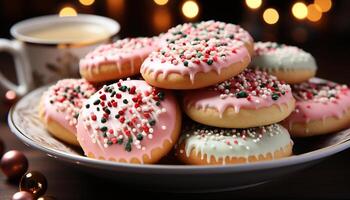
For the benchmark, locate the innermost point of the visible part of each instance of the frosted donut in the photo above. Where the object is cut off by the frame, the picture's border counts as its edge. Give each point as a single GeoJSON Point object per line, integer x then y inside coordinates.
{"type": "Point", "coordinates": [203, 145]}
{"type": "Point", "coordinates": [207, 30]}
{"type": "Point", "coordinates": [252, 98]}
{"type": "Point", "coordinates": [287, 63]}
{"type": "Point", "coordinates": [120, 59]}
{"type": "Point", "coordinates": [60, 105]}
{"type": "Point", "coordinates": [189, 63]}
{"type": "Point", "coordinates": [129, 121]}
{"type": "Point", "coordinates": [321, 107]}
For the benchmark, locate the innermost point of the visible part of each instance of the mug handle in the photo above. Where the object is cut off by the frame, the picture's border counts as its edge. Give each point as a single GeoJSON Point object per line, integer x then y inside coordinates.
{"type": "Point", "coordinates": [22, 67]}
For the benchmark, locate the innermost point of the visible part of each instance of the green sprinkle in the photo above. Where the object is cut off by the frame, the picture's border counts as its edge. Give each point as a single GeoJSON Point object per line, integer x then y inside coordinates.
{"type": "Point", "coordinates": [51, 101]}
{"type": "Point", "coordinates": [120, 141]}
{"type": "Point", "coordinates": [123, 88]}
{"type": "Point", "coordinates": [158, 103]}
{"type": "Point", "coordinates": [186, 63]}
{"type": "Point", "coordinates": [275, 96]}
{"type": "Point", "coordinates": [125, 101]}
{"type": "Point", "coordinates": [139, 136]}
{"type": "Point", "coordinates": [117, 116]}
{"type": "Point", "coordinates": [109, 143]}
{"type": "Point", "coordinates": [103, 120]}
{"type": "Point", "coordinates": [210, 61]}
{"type": "Point", "coordinates": [104, 128]}
{"type": "Point", "coordinates": [87, 106]}
{"type": "Point", "coordinates": [97, 102]}
{"type": "Point", "coordinates": [152, 122]}
{"type": "Point", "coordinates": [76, 116]}
{"type": "Point", "coordinates": [241, 94]}
{"type": "Point", "coordinates": [128, 147]}
{"type": "Point", "coordinates": [161, 95]}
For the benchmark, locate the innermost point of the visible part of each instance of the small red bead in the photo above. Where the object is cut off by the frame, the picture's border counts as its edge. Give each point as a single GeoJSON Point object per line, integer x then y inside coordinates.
{"type": "Point", "coordinates": [103, 97]}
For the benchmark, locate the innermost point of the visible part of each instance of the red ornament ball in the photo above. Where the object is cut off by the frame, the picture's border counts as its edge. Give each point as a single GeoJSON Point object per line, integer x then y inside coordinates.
{"type": "Point", "coordinates": [14, 164]}
{"type": "Point", "coordinates": [22, 195]}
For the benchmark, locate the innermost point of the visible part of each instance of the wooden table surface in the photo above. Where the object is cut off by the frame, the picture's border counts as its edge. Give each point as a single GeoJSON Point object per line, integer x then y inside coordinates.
{"type": "Point", "coordinates": [328, 179]}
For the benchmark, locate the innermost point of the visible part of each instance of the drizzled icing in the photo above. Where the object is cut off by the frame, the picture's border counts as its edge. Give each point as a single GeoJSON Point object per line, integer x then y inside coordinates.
{"type": "Point", "coordinates": [251, 89]}
{"type": "Point", "coordinates": [318, 99]}
{"type": "Point", "coordinates": [188, 56]}
{"type": "Point", "coordinates": [126, 120]}
{"type": "Point", "coordinates": [206, 30]}
{"type": "Point", "coordinates": [119, 52]}
{"type": "Point", "coordinates": [62, 101]}
{"type": "Point", "coordinates": [273, 56]}
{"type": "Point", "coordinates": [223, 143]}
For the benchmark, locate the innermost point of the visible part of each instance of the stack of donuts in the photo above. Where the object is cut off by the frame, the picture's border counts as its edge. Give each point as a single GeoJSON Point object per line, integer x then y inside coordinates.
{"type": "Point", "coordinates": [202, 91]}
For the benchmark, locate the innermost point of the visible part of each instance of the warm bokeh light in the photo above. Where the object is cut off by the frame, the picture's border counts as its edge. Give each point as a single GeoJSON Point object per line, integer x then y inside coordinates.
{"type": "Point", "coordinates": [67, 12]}
{"type": "Point", "coordinates": [324, 5]}
{"type": "Point", "coordinates": [10, 95]}
{"type": "Point", "coordinates": [271, 16]}
{"type": "Point", "coordinates": [190, 9]}
{"type": "Point", "coordinates": [116, 9]}
{"type": "Point", "coordinates": [253, 4]}
{"type": "Point", "coordinates": [160, 2]}
{"type": "Point", "coordinates": [87, 2]}
{"type": "Point", "coordinates": [161, 20]}
{"type": "Point", "coordinates": [314, 13]}
{"type": "Point", "coordinates": [299, 10]}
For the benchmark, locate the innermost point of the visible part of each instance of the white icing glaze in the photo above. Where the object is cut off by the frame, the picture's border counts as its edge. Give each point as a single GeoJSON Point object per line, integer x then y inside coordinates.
{"type": "Point", "coordinates": [222, 143]}
{"type": "Point", "coordinates": [273, 56]}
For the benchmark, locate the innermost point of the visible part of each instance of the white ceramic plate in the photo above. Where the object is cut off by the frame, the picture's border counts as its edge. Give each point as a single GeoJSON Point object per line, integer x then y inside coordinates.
{"type": "Point", "coordinates": [170, 175]}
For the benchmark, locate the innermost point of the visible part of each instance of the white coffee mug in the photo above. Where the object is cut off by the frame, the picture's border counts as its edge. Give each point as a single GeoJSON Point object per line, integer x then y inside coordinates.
{"type": "Point", "coordinates": [48, 48]}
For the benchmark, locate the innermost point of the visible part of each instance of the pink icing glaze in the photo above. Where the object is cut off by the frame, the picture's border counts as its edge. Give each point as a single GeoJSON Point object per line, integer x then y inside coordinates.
{"type": "Point", "coordinates": [60, 108]}
{"type": "Point", "coordinates": [319, 99]}
{"type": "Point", "coordinates": [125, 50]}
{"type": "Point", "coordinates": [215, 57]}
{"type": "Point", "coordinates": [219, 98]}
{"type": "Point", "coordinates": [90, 135]}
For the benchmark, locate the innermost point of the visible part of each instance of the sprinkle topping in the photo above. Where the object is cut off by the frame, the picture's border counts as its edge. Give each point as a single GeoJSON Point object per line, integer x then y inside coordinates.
{"type": "Point", "coordinates": [322, 92]}
{"type": "Point", "coordinates": [252, 83]}
{"type": "Point", "coordinates": [122, 114]}
{"type": "Point", "coordinates": [68, 96]}
{"type": "Point", "coordinates": [280, 50]}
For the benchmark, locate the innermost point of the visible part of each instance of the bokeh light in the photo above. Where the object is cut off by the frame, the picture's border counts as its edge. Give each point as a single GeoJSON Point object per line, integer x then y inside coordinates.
{"type": "Point", "coordinates": [161, 20]}
{"type": "Point", "coordinates": [67, 12]}
{"type": "Point", "coordinates": [271, 16]}
{"type": "Point", "coordinates": [299, 10]}
{"type": "Point", "coordinates": [253, 4]}
{"type": "Point", "coordinates": [87, 2]}
{"type": "Point", "coordinates": [10, 95]}
{"type": "Point", "coordinates": [190, 9]}
{"type": "Point", "coordinates": [324, 5]}
{"type": "Point", "coordinates": [314, 13]}
{"type": "Point", "coordinates": [161, 2]}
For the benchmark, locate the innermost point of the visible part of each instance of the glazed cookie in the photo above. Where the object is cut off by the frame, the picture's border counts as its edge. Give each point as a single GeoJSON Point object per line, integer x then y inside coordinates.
{"type": "Point", "coordinates": [322, 107]}
{"type": "Point", "coordinates": [117, 60]}
{"type": "Point", "coordinates": [209, 29]}
{"type": "Point", "coordinates": [190, 63]}
{"type": "Point", "coordinates": [252, 98]}
{"type": "Point", "coordinates": [287, 63]}
{"type": "Point", "coordinates": [60, 105]}
{"type": "Point", "coordinates": [203, 145]}
{"type": "Point", "coordinates": [129, 121]}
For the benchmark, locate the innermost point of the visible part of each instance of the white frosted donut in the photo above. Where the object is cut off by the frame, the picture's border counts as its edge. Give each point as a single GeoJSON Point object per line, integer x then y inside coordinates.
{"type": "Point", "coordinates": [129, 121]}
{"type": "Point", "coordinates": [203, 145]}
{"type": "Point", "coordinates": [322, 107]}
{"type": "Point", "coordinates": [120, 59]}
{"type": "Point", "coordinates": [252, 98]}
{"type": "Point", "coordinates": [287, 63]}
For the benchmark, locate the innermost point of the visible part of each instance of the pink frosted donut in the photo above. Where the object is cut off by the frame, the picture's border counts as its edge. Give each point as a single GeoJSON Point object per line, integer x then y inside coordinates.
{"type": "Point", "coordinates": [252, 98]}
{"type": "Point", "coordinates": [191, 63]}
{"type": "Point", "coordinates": [117, 60]}
{"type": "Point", "coordinates": [129, 121]}
{"type": "Point", "coordinates": [60, 105]}
{"type": "Point", "coordinates": [207, 30]}
{"type": "Point", "coordinates": [322, 107]}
